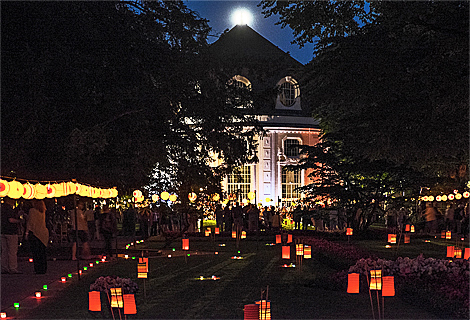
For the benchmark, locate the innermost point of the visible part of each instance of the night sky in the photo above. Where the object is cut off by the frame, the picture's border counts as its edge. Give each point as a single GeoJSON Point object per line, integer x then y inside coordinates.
{"type": "Point", "coordinates": [219, 15]}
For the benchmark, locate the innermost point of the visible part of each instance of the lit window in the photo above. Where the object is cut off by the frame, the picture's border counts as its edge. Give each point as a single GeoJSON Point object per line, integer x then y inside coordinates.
{"type": "Point", "coordinates": [288, 91]}
{"type": "Point", "coordinates": [241, 83]}
{"type": "Point", "coordinates": [290, 181]}
{"type": "Point", "coordinates": [291, 147]}
{"type": "Point", "coordinates": [240, 179]}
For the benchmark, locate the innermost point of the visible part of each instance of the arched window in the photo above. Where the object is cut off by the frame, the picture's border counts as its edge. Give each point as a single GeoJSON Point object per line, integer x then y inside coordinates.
{"type": "Point", "coordinates": [288, 91]}
{"type": "Point", "coordinates": [241, 83]}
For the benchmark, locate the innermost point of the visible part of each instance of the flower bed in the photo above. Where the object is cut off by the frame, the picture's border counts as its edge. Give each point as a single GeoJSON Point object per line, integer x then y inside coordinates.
{"type": "Point", "coordinates": [343, 251]}
{"type": "Point", "coordinates": [103, 284]}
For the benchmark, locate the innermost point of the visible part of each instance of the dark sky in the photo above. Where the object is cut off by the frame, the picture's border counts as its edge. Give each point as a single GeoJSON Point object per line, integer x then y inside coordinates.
{"type": "Point", "coordinates": [219, 15]}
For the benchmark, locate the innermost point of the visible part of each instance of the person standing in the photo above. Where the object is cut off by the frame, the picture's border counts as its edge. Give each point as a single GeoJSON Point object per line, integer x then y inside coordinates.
{"type": "Point", "coordinates": [430, 214]}
{"type": "Point", "coordinates": [38, 235]}
{"type": "Point", "coordinates": [108, 227]}
{"type": "Point", "coordinates": [90, 219]}
{"type": "Point", "coordinates": [82, 227]}
{"type": "Point", "coordinates": [10, 223]}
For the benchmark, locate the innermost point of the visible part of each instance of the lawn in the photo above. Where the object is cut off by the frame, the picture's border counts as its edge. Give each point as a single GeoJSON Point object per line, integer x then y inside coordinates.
{"type": "Point", "coordinates": [172, 290]}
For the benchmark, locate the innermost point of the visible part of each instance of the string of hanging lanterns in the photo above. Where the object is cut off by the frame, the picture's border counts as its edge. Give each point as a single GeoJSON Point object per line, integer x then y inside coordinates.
{"type": "Point", "coordinates": [456, 195]}
{"type": "Point", "coordinates": [15, 190]}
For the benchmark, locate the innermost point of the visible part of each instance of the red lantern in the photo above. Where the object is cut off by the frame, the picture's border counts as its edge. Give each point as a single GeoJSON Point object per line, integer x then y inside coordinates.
{"type": "Point", "coordinates": [289, 238]}
{"type": "Point", "coordinates": [392, 238]}
{"type": "Point", "coordinates": [94, 301]}
{"type": "Point", "coordinates": [251, 312]}
{"type": "Point", "coordinates": [450, 251]}
{"type": "Point", "coordinates": [208, 232]}
{"type": "Point", "coordinates": [38, 294]}
{"type": "Point", "coordinates": [407, 238]}
{"type": "Point", "coordinates": [353, 283]}
{"type": "Point", "coordinates": [129, 304]}
{"type": "Point", "coordinates": [388, 289]}
{"type": "Point", "coordinates": [466, 254]}
{"type": "Point", "coordinates": [4, 188]}
{"type": "Point", "coordinates": [234, 234]}
{"type": "Point", "coordinates": [185, 244]}
{"type": "Point", "coordinates": [217, 231]}
{"type": "Point", "coordinates": [448, 235]}
{"type": "Point", "coordinates": [349, 231]}
{"type": "Point", "coordinates": [278, 238]}
{"type": "Point", "coordinates": [443, 234]}
{"type": "Point", "coordinates": [3, 315]}
{"type": "Point", "coordinates": [285, 252]}
{"type": "Point", "coordinates": [407, 228]}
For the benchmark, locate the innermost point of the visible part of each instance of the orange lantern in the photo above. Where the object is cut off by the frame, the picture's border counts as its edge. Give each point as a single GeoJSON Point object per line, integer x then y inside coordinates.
{"type": "Point", "coordinates": [234, 234]}
{"type": "Point", "coordinates": [392, 238]}
{"type": "Point", "coordinates": [407, 228]}
{"type": "Point", "coordinates": [142, 270]}
{"type": "Point", "coordinates": [264, 310]}
{"type": "Point", "coordinates": [450, 251]}
{"type": "Point", "coordinates": [353, 283]}
{"type": "Point", "coordinates": [375, 279]}
{"type": "Point", "coordinates": [285, 252]}
{"type": "Point", "coordinates": [307, 252]}
{"type": "Point", "coordinates": [448, 235]}
{"type": "Point", "coordinates": [129, 304]}
{"type": "Point", "coordinates": [185, 244]}
{"type": "Point", "coordinates": [28, 191]}
{"type": "Point", "coordinates": [278, 238]}
{"type": "Point", "coordinates": [173, 197]}
{"type": "Point", "coordinates": [94, 301]}
{"type": "Point", "coordinates": [251, 312]}
{"type": "Point", "coordinates": [16, 189]}
{"type": "Point", "coordinates": [412, 229]}
{"type": "Point", "coordinates": [4, 188]}
{"type": "Point", "coordinates": [388, 289]}
{"type": "Point", "coordinates": [289, 238]}
{"type": "Point", "coordinates": [349, 231]}
{"type": "Point", "coordinates": [443, 234]}
{"type": "Point", "coordinates": [458, 253]}
{"type": "Point", "coordinates": [243, 235]}
{"type": "Point", "coordinates": [299, 249]}
{"type": "Point", "coordinates": [217, 231]}
{"type": "Point", "coordinates": [466, 254]}
{"type": "Point", "coordinates": [407, 238]}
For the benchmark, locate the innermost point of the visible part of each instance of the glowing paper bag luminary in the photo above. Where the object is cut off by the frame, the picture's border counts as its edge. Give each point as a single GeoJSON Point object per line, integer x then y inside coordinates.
{"type": "Point", "coordinates": [251, 312]}
{"type": "Point", "coordinates": [458, 253]}
{"type": "Point", "coordinates": [278, 238]}
{"type": "Point", "coordinates": [37, 294]}
{"type": "Point", "coordinates": [94, 301]}
{"type": "Point", "coordinates": [450, 251]}
{"type": "Point", "coordinates": [299, 249]}
{"type": "Point", "coordinates": [129, 304]}
{"type": "Point", "coordinates": [392, 238]}
{"type": "Point", "coordinates": [185, 244]}
{"type": "Point", "coordinates": [217, 231]}
{"type": "Point", "coordinates": [448, 235]}
{"type": "Point", "coordinates": [289, 238]}
{"type": "Point", "coordinates": [353, 283]}
{"type": "Point", "coordinates": [407, 238]}
{"type": "Point", "coordinates": [116, 298]}
{"type": "Point", "coordinates": [243, 235]}
{"type": "Point", "coordinates": [307, 252]}
{"type": "Point", "coordinates": [412, 229]}
{"type": "Point", "coordinates": [264, 310]}
{"type": "Point", "coordinates": [375, 279]}
{"type": "Point", "coordinates": [407, 228]}
{"type": "Point", "coordinates": [388, 289]}
{"type": "Point", "coordinates": [234, 234]}
{"type": "Point", "coordinates": [349, 231]}
{"type": "Point", "coordinates": [466, 254]}
{"type": "Point", "coordinates": [285, 252]}
{"type": "Point", "coordinates": [146, 261]}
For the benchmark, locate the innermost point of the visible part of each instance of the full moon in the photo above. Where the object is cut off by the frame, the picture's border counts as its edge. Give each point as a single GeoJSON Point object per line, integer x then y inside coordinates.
{"type": "Point", "coordinates": [242, 17]}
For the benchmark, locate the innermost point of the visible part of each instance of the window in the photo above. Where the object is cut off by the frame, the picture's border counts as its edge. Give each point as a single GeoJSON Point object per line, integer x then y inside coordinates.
{"type": "Point", "coordinates": [240, 179]}
{"type": "Point", "coordinates": [290, 181]}
{"type": "Point", "coordinates": [288, 91]}
{"type": "Point", "coordinates": [241, 83]}
{"type": "Point", "coordinates": [291, 147]}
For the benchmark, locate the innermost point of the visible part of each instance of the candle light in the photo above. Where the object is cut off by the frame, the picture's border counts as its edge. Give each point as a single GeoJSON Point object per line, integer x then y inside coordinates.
{"type": "Point", "coordinates": [44, 287]}
{"type": "Point", "coordinates": [16, 305]}
{"type": "Point", "coordinates": [30, 259]}
{"type": "Point", "coordinates": [3, 315]}
{"type": "Point", "coordinates": [63, 279]}
{"type": "Point", "coordinates": [38, 294]}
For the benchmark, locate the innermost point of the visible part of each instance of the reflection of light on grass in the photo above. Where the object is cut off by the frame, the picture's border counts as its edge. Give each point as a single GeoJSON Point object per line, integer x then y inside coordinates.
{"type": "Point", "coordinates": [211, 278]}
{"type": "Point", "coordinates": [270, 244]}
{"type": "Point", "coordinates": [427, 240]}
{"type": "Point", "coordinates": [288, 265]}
{"type": "Point", "coordinates": [388, 246]}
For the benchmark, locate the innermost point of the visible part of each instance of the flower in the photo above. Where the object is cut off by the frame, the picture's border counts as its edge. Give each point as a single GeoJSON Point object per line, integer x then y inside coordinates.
{"type": "Point", "coordinates": [103, 284]}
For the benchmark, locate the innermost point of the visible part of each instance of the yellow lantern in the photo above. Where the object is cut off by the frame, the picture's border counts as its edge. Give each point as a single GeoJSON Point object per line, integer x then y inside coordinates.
{"type": "Point", "coordinates": [137, 193]}
{"type": "Point", "coordinates": [155, 197]}
{"type": "Point", "coordinates": [28, 191]}
{"type": "Point", "coordinates": [444, 198]}
{"type": "Point", "coordinates": [165, 195]}
{"type": "Point", "coordinates": [50, 191]}
{"type": "Point", "coordinates": [41, 191]}
{"type": "Point", "coordinates": [16, 190]}
{"type": "Point", "coordinates": [192, 197]}
{"type": "Point", "coordinates": [466, 194]}
{"type": "Point", "coordinates": [458, 196]}
{"type": "Point", "coordinates": [251, 195]}
{"type": "Point", "coordinates": [216, 197]}
{"type": "Point", "coordinates": [59, 189]}
{"type": "Point", "coordinates": [431, 198]}
{"type": "Point", "coordinates": [438, 198]}
{"type": "Point", "coordinates": [450, 197]}
{"type": "Point", "coordinates": [114, 193]}
{"type": "Point", "coordinates": [4, 188]}
{"type": "Point", "coordinates": [425, 198]}
{"type": "Point", "coordinates": [173, 197]}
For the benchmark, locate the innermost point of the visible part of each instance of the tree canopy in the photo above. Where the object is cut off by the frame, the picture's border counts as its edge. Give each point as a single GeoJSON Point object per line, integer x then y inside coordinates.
{"type": "Point", "coordinates": [105, 92]}
{"type": "Point", "coordinates": [389, 79]}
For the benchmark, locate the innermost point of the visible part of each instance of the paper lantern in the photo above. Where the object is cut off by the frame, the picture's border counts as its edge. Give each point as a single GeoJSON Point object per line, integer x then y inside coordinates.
{"type": "Point", "coordinates": [63, 279]}
{"type": "Point", "coordinates": [431, 198]}
{"type": "Point", "coordinates": [137, 193]}
{"type": "Point", "coordinates": [30, 259]}
{"type": "Point", "coordinates": [388, 286]}
{"type": "Point", "coordinates": [3, 315]}
{"type": "Point", "coordinates": [458, 253]}
{"type": "Point", "coordinates": [407, 238]}
{"type": "Point", "coordinates": [251, 312]}
{"type": "Point", "coordinates": [185, 244]}
{"type": "Point", "coordinates": [129, 304]}
{"type": "Point", "coordinates": [466, 194]}
{"type": "Point", "coordinates": [448, 235]}
{"type": "Point", "coordinates": [407, 228]}
{"type": "Point", "coordinates": [458, 196]}
{"type": "Point", "coordinates": [215, 197]}
{"type": "Point", "coordinates": [208, 232]}
{"type": "Point", "coordinates": [173, 197]}
{"type": "Point", "coordinates": [466, 254]}
{"type": "Point", "coordinates": [165, 195]}
{"type": "Point", "coordinates": [16, 305]}
{"type": "Point", "coordinates": [28, 191]}
{"type": "Point", "coordinates": [349, 231]}
{"type": "Point", "coordinates": [450, 251]}
{"type": "Point", "coordinates": [425, 198]}
{"type": "Point", "coordinates": [234, 234]}
{"type": "Point", "coordinates": [412, 228]}
{"type": "Point", "coordinates": [4, 188]}
{"type": "Point", "coordinates": [375, 279]}
{"type": "Point", "coordinates": [37, 294]}
{"type": "Point", "coordinates": [16, 189]}
{"type": "Point", "coordinates": [278, 238]}
{"type": "Point", "coordinates": [142, 271]}
{"type": "Point", "coordinates": [285, 252]}
{"type": "Point", "coordinates": [289, 238]}
{"type": "Point", "coordinates": [243, 235]}
{"type": "Point", "coordinates": [50, 191]}
{"type": "Point", "coordinates": [307, 252]}
{"type": "Point", "coordinates": [251, 195]}
{"type": "Point", "coordinates": [217, 231]}
{"type": "Point", "coordinates": [438, 198]}
{"type": "Point", "coordinates": [392, 238]}
{"type": "Point", "coordinates": [443, 234]}
{"type": "Point", "coordinates": [264, 310]}
{"type": "Point", "coordinates": [192, 197]}
{"type": "Point", "coordinates": [44, 287]}
{"type": "Point", "coordinates": [116, 298]}
{"type": "Point", "coordinates": [353, 283]}
{"type": "Point", "coordinates": [299, 249]}
{"type": "Point", "coordinates": [146, 262]}
{"type": "Point", "coordinates": [451, 197]}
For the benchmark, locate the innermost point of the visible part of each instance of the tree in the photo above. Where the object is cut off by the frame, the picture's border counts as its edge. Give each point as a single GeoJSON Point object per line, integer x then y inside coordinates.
{"type": "Point", "coordinates": [389, 79]}
{"type": "Point", "coordinates": [360, 186]}
{"type": "Point", "coordinates": [106, 91]}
